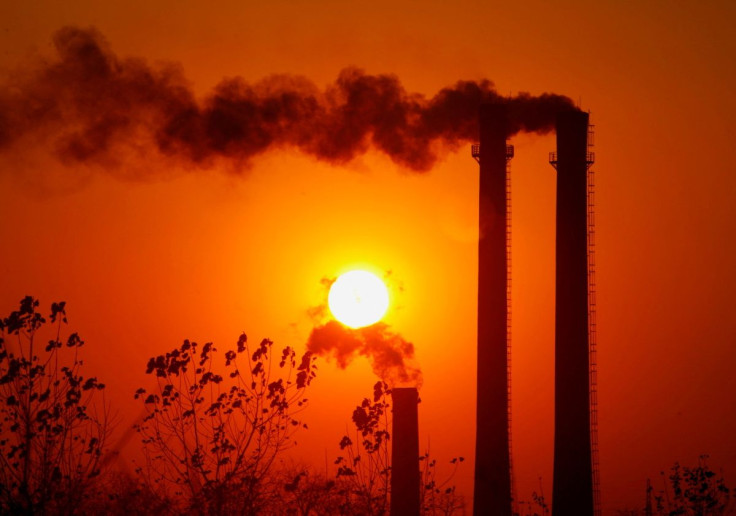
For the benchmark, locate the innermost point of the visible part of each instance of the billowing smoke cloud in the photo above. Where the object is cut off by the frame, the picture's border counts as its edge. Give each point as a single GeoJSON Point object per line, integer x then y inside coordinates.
{"type": "Point", "coordinates": [90, 106]}
{"type": "Point", "coordinates": [391, 357]}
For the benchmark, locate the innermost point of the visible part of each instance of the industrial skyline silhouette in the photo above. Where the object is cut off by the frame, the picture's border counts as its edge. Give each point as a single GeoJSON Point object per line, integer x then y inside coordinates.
{"type": "Point", "coordinates": [575, 482]}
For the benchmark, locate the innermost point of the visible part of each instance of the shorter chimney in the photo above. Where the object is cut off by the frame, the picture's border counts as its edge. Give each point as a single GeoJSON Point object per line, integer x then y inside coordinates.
{"type": "Point", "coordinates": [405, 453]}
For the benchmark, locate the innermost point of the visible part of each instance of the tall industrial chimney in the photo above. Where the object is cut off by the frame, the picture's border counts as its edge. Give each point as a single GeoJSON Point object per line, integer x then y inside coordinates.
{"type": "Point", "coordinates": [572, 490]}
{"type": "Point", "coordinates": [405, 483]}
{"type": "Point", "coordinates": [492, 491]}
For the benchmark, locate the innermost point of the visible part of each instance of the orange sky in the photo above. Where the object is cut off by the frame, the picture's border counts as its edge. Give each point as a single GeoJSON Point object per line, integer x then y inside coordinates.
{"type": "Point", "coordinates": [205, 254]}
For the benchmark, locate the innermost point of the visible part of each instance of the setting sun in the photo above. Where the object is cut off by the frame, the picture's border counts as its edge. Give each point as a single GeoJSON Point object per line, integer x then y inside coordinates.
{"type": "Point", "coordinates": [358, 298]}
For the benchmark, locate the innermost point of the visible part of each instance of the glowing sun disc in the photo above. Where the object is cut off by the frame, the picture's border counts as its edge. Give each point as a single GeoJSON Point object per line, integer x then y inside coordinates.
{"type": "Point", "coordinates": [358, 298]}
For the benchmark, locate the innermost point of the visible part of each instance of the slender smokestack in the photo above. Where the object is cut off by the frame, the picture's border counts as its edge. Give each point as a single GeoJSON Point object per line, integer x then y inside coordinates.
{"type": "Point", "coordinates": [573, 475]}
{"type": "Point", "coordinates": [492, 492]}
{"type": "Point", "coordinates": [405, 453]}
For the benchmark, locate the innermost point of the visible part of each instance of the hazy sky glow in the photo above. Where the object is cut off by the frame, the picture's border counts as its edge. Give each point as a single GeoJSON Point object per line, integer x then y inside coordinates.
{"type": "Point", "coordinates": [149, 250]}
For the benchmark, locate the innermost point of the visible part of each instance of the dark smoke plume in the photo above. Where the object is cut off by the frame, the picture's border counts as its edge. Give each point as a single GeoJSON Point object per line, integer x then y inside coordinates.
{"type": "Point", "coordinates": [90, 106]}
{"type": "Point", "coordinates": [391, 357]}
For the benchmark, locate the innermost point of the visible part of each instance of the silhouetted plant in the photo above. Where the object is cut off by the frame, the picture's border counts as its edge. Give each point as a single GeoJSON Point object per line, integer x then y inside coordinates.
{"type": "Point", "coordinates": [212, 437]}
{"type": "Point", "coordinates": [537, 506]}
{"type": "Point", "coordinates": [52, 425]}
{"type": "Point", "coordinates": [304, 492]}
{"type": "Point", "coordinates": [440, 497]}
{"type": "Point", "coordinates": [364, 471]}
{"type": "Point", "coordinates": [540, 503]}
{"type": "Point", "coordinates": [120, 494]}
{"type": "Point", "coordinates": [696, 491]}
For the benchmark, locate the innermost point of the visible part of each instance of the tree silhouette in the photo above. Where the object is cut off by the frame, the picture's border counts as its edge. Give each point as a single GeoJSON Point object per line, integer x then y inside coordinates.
{"type": "Point", "coordinates": [212, 431]}
{"type": "Point", "coordinates": [52, 425]}
{"type": "Point", "coordinates": [364, 469]}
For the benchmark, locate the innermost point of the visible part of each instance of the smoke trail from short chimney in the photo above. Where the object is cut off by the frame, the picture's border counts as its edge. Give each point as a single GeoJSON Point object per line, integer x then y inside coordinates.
{"type": "Point", "coordinates": [391, 356]}
{"type": "Point", "coordinates": [89, 106]}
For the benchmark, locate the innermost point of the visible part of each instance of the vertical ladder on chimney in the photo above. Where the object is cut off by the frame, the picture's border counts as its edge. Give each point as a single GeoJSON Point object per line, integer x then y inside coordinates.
{"type": "Point", "coordinates": [592, 326]}
{"type": "Point", "coordinates": [509, 155]}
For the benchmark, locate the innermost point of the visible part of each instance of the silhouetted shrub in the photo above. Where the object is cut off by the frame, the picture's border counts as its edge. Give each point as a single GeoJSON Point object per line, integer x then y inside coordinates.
{"type": "Point", "coordinates": [439, 497]}
{"type": "Point", "coordinates": [305, 492]}
{"type": "Point", "coordinates": [212, 431]}
{"type": "Point", "coordinates": [52, 424]}
{"type": "Point", "coordinates": [696, 491]}
{"type": "Point", "coordinates": [363, 471]}
{"type": "Point", "coordinates": [119, 494]}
